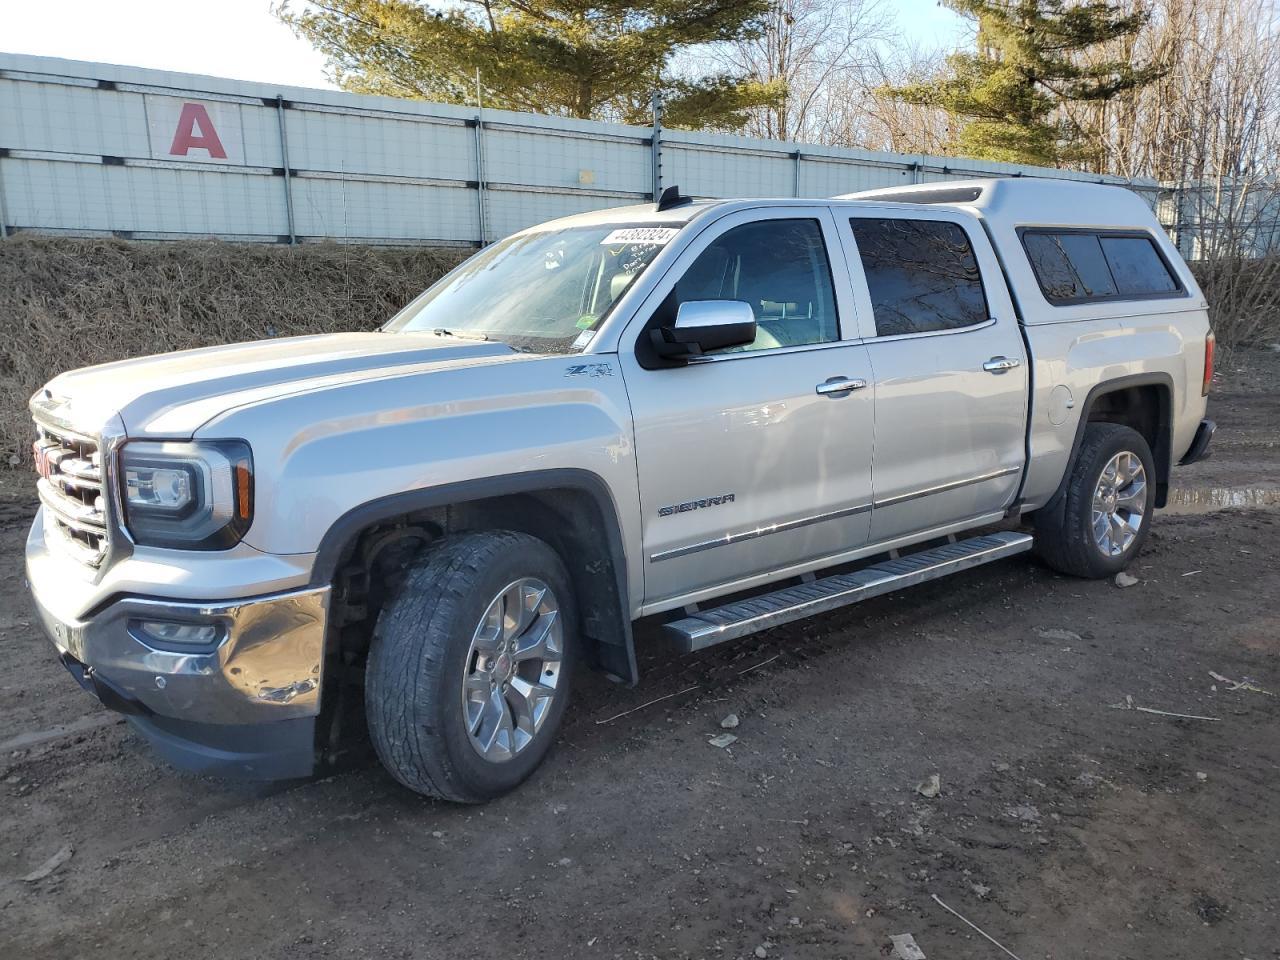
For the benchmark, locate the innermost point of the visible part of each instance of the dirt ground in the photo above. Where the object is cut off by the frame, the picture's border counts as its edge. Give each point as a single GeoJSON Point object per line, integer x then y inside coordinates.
{"type": "Point", "coordinates": [1066, 827]}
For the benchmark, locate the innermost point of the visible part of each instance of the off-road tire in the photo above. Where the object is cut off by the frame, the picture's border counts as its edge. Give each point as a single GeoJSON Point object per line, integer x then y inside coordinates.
{"type": "Point", "coordinates": [418, 657]}
{"type": "Point", "coordinates": [1064, 538]}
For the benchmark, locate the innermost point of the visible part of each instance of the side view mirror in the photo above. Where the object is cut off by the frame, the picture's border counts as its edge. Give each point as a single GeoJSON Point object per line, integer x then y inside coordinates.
{"type": "Point", "coordinates": [705, 325]}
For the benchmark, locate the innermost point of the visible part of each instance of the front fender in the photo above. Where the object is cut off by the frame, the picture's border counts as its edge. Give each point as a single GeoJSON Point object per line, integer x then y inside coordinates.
{"type": "Point", "coordinates": [325, 457]}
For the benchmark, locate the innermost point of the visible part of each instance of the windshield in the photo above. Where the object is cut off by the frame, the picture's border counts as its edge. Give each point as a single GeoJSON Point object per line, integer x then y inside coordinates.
{"type": "Point", "coordinates": [544, 292]}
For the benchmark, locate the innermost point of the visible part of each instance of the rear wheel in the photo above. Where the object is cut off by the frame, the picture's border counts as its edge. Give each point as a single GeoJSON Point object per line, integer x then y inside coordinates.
{"type": "Point", "coordinates": [1110, 498]}
{"type": "Point", "coordinates": [470, 665]}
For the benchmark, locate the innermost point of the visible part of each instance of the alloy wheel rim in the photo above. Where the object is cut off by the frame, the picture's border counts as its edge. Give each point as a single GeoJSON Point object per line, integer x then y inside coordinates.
{"type": "Point", "coordinates": [1119, 503]}
{"type": "Point", "coordinates": [512, 670]}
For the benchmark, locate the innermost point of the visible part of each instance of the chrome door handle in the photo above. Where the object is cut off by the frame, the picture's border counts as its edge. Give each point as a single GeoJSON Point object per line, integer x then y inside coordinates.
{"type": "Point", "coordinates": [839, 387]}
{"type": "Point", "coordinates": [1001, 364]}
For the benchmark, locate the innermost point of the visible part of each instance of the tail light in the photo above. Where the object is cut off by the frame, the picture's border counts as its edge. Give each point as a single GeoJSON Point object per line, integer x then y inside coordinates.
{"type": "Point", "coordinates": [1210, 342]}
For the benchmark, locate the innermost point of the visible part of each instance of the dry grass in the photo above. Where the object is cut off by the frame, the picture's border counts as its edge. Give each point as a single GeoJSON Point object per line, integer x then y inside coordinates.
{"type": "Point", "coordinates": [68, 303]}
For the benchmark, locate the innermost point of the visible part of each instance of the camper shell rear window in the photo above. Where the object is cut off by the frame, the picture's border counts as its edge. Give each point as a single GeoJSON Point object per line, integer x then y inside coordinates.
{"type": "Point", "coordinates": [1089, 266]}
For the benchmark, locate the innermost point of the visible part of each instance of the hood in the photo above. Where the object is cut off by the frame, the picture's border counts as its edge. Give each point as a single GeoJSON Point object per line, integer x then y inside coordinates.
{"type": "Point", "coordinates": [172, 394]}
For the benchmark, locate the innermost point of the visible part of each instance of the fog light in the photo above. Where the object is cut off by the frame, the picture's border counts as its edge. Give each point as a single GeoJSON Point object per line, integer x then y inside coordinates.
{"type": "Point", "coordinates": [168, 631]}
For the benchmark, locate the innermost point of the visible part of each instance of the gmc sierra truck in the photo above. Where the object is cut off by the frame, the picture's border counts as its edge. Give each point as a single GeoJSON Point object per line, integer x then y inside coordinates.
{"type": "Point", "coordinates": [721, 416]}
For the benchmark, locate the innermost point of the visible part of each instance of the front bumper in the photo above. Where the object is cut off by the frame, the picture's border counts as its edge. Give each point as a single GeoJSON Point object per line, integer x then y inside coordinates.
{"type": "Point", "coordinates": [276, 750]}
{"type": "Point", "coordinates": [243, 705]}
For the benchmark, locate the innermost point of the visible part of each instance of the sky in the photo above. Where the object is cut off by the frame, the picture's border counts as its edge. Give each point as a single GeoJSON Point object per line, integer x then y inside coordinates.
{"type": "Point", "coordinates": [242, 40]}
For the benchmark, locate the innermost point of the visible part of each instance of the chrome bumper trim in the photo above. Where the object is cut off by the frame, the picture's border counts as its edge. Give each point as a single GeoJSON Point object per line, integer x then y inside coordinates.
{"type": "Point", "coordinates": [267, 666]}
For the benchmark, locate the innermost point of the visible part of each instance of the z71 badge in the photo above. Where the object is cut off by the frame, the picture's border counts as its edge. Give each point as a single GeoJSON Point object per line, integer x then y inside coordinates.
{"type": "Point", "coordinates": [589, 369]}
{"type": "Point", "coordinates": [695, 504]}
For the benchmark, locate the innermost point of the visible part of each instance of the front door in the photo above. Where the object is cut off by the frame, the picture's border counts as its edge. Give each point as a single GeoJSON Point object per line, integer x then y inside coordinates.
{"type": "Point", "coordinates": [746, 470]}
{"type": "Point", "coordinates": [950, 371]}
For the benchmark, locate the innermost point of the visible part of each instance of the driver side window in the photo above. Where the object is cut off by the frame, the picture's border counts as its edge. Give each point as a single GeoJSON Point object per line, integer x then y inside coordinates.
{"type": "Point", "coordinates": [780, 268]}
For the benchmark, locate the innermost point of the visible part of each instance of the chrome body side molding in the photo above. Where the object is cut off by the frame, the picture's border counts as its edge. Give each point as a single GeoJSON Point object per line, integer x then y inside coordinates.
{"type": "Point", "coordinates": [944, 487]}
{"type": "Point", "coordinates": [764, 531]}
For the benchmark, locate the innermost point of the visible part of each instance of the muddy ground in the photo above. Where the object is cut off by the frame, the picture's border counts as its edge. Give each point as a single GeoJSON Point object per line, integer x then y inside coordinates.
{"type": "Point", "coordinates": [1065, 827]}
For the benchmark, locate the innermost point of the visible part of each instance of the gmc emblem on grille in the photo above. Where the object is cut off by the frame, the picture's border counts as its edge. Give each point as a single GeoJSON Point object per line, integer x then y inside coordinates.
{"type": "Point", "coordinates": [43, 467]}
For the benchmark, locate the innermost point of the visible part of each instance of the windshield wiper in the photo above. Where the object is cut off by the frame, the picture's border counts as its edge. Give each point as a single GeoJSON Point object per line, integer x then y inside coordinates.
{"type": "Point", "coordinates": [461, 335]}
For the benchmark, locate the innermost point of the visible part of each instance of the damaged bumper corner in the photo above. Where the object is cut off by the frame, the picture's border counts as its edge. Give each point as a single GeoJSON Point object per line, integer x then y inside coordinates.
{"type": "Point", "coordinates": [244, 704]}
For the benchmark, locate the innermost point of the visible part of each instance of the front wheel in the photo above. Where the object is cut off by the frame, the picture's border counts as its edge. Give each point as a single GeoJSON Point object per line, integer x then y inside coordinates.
{"type": "Point", "coordinates": [470, 665]}
{"type": "Point", "coordinates": [1110, 499]}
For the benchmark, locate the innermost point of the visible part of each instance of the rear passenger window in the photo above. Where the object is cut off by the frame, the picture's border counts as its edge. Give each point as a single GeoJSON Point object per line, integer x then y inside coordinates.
{"type": "Point", "coordinates": [1078, 267]}
{"type": "Point", "coordinates": [922, 275]}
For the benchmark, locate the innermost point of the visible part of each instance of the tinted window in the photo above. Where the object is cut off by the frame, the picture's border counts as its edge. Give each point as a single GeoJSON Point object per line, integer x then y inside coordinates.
{"type": "Point", "coordinates": [1069, 266]}
{"type": "Point", "coordinates": [922, 275]}
{"type": "Point", "coordinates": [1079, 266]}
{"type": "Point", "coordinates": [780, 268]}
{"type": "Point", "coordinates": [1137, 266]}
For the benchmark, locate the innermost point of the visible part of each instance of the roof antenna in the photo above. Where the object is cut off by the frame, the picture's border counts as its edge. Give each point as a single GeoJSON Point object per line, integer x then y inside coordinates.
{"type": "Point", "coordinates": [670, 197]}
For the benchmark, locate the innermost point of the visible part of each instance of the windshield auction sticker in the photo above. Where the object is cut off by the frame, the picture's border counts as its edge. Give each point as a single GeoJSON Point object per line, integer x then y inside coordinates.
{"type": "Point", "coordinates": [654, 235]}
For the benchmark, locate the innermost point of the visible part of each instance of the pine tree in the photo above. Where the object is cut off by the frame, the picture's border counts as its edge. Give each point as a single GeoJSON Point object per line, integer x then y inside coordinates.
{"type": "Point", "coordinates": [593, 59]}
{"type": "Point", "coordinates": [1026, 64]}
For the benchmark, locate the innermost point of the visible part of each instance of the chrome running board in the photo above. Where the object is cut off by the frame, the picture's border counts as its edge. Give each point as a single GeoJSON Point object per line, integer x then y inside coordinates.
{"type": "Point", "coordinates": [743, 617]}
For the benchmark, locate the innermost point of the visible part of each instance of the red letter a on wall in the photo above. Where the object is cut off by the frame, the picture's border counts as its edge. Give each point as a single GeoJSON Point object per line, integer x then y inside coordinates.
{"type": "Point", "coordinates": [196, 117]}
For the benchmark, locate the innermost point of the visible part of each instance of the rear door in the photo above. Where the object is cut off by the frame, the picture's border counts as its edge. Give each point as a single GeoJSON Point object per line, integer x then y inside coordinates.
{"type": "Point", "coordinates": [949, 366]}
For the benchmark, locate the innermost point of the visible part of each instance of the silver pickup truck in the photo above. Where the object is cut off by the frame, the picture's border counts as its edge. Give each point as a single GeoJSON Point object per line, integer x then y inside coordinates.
{"type": "Point", "coordinates": [718, 415]}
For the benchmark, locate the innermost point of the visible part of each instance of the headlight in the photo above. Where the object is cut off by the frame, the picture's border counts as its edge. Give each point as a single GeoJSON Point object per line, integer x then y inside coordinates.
{"type": "Point", "coordinates": [194, 496]}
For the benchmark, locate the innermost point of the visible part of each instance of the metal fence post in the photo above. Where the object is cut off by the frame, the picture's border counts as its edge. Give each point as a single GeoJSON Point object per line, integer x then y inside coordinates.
{"type": "Point", "coordinates": [4, 216]}
{"type": "Point", "coordinates": [655, 145]}
{"type": "Point", "coordinates": [795, 185]}
{"type": "Point", "coordinates": [284, 159]}
{"type": "Point", "coordinates": [1184, 234]}
{"type": "Point", "coordinates": [480, 213]}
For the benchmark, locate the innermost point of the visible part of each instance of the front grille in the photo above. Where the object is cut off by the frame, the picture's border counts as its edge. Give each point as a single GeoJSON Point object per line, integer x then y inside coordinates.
{"type": "Point", "coordinates": [71, 490]}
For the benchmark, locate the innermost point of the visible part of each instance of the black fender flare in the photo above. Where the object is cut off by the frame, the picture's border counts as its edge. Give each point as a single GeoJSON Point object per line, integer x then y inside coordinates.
{"type": "Point", "coordinates": [616, 651]}
{"type": "Point", "coordinates": [1164, 428]}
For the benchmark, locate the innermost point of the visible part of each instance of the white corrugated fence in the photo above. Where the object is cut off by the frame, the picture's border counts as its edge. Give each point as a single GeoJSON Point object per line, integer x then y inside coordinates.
{"type": "Point", "coordinates": [96, 149]}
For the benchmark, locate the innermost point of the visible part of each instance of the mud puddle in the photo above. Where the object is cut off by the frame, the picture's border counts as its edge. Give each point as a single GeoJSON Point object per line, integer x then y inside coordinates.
{"type": "Point", "coordinates": [1185, 500]}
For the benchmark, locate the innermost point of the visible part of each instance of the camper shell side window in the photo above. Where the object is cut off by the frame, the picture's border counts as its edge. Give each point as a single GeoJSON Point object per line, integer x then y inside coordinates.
{"type": "Point", "coordinates": [1074, 266]}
